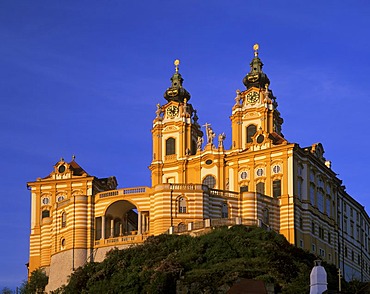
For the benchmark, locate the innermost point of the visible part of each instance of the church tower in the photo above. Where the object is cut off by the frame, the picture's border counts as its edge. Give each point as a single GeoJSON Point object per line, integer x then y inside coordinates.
{"type": "Point", "coordinates": [175, 134]}
{"type": "Point", "coordinates": [255, 118]}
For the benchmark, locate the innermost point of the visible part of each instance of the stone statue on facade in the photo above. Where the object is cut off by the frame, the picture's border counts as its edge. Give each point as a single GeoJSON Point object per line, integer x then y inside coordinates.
{"type": "Point", "coordinates": [199, 143]}
{"type": "Point", "coordinates": [238, 98]}
{"type": "Point", "coordinates": [266, 94]}
{"type": "Point", "coordinates": [221, 138]}
{"type": "Point", "coordinates": [210, 133]}
{"type": "Point", "coordinates": [159, 111]}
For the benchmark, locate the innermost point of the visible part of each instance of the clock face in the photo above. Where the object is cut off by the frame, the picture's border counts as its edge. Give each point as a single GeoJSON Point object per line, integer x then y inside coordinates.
{"type": "Point", "coordinates": [172, 111]}
{"type": "Point", "coordinates": [252, 97]}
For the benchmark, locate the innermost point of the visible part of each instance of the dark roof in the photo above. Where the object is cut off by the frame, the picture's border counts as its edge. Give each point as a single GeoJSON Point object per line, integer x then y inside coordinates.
{"type": "Point", "coordinates": [276, 138]}
{"type": "Point", "coordinates": [76, 169]}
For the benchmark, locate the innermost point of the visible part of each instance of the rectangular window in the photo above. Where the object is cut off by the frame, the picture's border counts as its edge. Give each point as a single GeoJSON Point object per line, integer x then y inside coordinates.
{"type": "Point", "coordinates": [299, 189]}
{"type": "Point", "coordinates": [321, 233]}
{"type": "Point", "coordinates": [243, 189]}
{"type": "Point", "coordinates": [329, 238]}
{"type": "Point", "coordinates": [45, 213]}
{"type": "Point", "coordinates": [260, 188]}
{"type": "Point", "coordinates": [225, 211]}
{"type": "Point", "coordinates": [170, 146]}
{"type": "Point", "coordinates": [276, 188]}
{"type": "Point", "coordinates": [328, 212]}
{"type": "Point", "coordinates": [301, 243]}
{"type": "Point", "coordinates": [322, 252]}
{"type": "Point", "coordinates": [312, 194]}
{"type": "Point", "coordinates": [313, 228]}
{"type": "Point", "coordinates": [320, 201]}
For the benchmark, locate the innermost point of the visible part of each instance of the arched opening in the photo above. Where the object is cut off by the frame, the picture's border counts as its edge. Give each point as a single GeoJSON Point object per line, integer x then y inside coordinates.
{"type": "Point", "coordinates": [121, 219]}
{"type": "Point", "coordinates": [251, 130]}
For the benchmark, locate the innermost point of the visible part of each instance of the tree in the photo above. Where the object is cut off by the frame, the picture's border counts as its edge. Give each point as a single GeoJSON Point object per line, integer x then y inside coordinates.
{"type": "Point", "coordinates": [36, 283]}
{"type": "Point", "coordinates": [6, 290]}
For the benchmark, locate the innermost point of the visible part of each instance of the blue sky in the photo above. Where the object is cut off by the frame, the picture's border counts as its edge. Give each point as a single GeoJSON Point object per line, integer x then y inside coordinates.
{"type": "Point", "coordinates": [84, 77]}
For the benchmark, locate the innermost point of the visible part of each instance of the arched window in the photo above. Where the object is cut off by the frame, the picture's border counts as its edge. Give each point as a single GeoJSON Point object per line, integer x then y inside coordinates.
{"type": "Point", "coordinates": [182, 205]}
{"type": "Point", "coordinates": [251, 130]}
{"type": "Point", "coordinates": [45, 213]}
{"type": "Point", "coordinates": [64, 220]}
{"type": "Point", "coordinates": [62, 243]}
{"type": "Point", "coordinates": [260, 188]}
{"type": "Point", "coordinates": [170, 146]}
{"type": "Point", "coordinates": [210, 181]}
{"type": "Point", "coordinates": [225, 211]}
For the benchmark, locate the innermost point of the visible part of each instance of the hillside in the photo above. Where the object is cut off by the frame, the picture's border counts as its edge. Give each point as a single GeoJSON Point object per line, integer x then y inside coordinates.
{"type": "Point", "coordinates": [210, 263]}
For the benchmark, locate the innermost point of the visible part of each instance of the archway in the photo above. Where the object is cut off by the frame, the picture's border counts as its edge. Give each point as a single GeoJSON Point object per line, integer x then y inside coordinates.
{"type": "Point", "coordinates": [120, 219]}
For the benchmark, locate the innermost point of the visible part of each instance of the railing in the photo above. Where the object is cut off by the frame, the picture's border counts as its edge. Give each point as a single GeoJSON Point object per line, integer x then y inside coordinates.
{"type": "Point", "coordinates": [130, 239]}
{"type": "Point", "coordinates": [223, 193]}
{"type": "Point", "coordinates": [136, 190]}
{"type": "Point", "coordinates": [217, 222]}
{"type": "Point", "coordinates": [108, 194]}
{"type": "Point", "coordinates": [174, 187]}
{"type": "Point", "coordinates": [125, 191]}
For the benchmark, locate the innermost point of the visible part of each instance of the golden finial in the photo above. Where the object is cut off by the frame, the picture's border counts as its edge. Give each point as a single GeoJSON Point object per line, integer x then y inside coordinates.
{"type": "Point", "coordinates": [255, 48]}
{"type": "Point", "coordinates": [176, 63]}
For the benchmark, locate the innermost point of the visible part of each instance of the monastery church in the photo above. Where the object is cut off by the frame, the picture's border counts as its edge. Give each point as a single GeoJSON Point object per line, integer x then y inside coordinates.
{"type": "Point", "coordinates": [197, 183]}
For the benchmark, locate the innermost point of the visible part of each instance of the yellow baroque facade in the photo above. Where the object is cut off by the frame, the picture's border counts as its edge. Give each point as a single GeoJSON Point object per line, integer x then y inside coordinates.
{"type": "Point", "coordinates": [197, 184]}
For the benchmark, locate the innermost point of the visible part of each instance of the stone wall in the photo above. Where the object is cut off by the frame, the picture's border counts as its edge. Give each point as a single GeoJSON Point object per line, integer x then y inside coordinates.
{"type": "Point", "coordinates": [62, 265]}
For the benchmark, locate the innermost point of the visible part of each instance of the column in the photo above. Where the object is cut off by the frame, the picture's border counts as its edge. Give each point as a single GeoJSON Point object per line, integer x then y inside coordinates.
{"type": "Point", "coordinates": [139, 221]}
{"type": "Point", "coordinates": [111, 228]}
{"type": "Point", "coordinates": [103, 227]}
{"type": "Point", "coordinates": [147, 222]}
{"type": "Point", "coordinates": [120, 229]}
